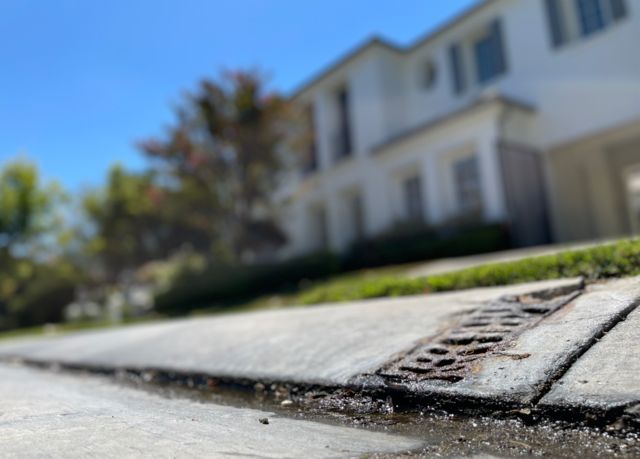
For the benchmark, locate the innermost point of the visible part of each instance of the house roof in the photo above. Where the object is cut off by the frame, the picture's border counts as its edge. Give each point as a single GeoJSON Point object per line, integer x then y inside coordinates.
{"type": "Point", "coordinates": [454, 21]}
{"type": "Point", "coordinates": [345, 59]}
{"type": "Point", "coordinates": [481, 102]}
{"type": "Point", "coordinates": [383, 42]}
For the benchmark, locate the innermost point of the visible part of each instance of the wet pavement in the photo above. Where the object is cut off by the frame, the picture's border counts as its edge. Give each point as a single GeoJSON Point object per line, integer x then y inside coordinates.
{"type": "Point", "coordinates": [49, 413]}
{"type": "Point", "coordinates": [54, 415]}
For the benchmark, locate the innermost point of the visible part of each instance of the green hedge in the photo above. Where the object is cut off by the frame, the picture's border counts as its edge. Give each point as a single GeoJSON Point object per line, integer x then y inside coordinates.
{"type": "Point", "coordinates": [419, 244]}
{"type": "Point", "coordinates": [225, 285]}
{"type": "Point", "coordinates": [42, 299]}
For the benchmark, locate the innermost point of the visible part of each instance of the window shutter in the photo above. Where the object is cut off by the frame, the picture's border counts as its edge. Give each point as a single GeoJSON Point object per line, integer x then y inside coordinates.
{"type": "Point", "coordinates": [457, 69]}
{"type": "Point", "coordinates": [498, 47]}
{"type": "Point", "coordinates": [556, 23]}
{"type": "Point", "coordinates": [618, 9]}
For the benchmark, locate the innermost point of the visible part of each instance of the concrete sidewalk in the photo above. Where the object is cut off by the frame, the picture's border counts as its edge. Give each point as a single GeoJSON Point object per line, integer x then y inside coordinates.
{"type": "Point", "coordinates": [327, 345]}
{"type": "Point", "coordinates": [52, 415]}
{"type": "Point", "coordinates": [554, 348]}
{"type": "Point", "coordinates": [492, 346]}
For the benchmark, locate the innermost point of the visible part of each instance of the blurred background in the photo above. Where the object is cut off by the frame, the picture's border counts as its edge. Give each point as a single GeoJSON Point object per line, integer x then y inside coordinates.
{"type": "Point", "coordinates": [168, 158]}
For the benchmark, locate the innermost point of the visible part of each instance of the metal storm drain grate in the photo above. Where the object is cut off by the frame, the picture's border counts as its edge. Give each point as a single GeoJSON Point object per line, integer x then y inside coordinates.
{"type": "Point", "coordinates": [449, 356]}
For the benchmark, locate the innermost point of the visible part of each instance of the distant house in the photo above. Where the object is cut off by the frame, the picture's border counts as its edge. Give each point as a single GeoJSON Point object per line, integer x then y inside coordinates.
{"type": "Point", "coordinates": [525, 112]}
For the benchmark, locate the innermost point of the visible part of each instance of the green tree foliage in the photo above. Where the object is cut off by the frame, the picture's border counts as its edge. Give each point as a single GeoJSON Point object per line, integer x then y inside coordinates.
{"type": "Point", "coordinates": [36, 283]}
{"type": "Point", "coordinates": [135, 220]}
{"type": "Point", "coordinates": [28, 208]}
{"type": "Point", "coordinates": [40, 292]}
{"type": "Point", "coordinates": [226, 151]}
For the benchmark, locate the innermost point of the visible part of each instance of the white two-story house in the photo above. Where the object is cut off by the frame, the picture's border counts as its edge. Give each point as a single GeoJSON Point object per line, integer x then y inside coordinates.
{"type": "Point", "coordinates": [525, 112]}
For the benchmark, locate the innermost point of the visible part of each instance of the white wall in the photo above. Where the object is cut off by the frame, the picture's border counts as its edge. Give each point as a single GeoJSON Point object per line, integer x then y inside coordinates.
{"type": "Point", "coordinates": [584, 87]}
{"type": "Point", "coordinates": [379, 179]}
{"type": "Point", "coordinates": [588, 85]}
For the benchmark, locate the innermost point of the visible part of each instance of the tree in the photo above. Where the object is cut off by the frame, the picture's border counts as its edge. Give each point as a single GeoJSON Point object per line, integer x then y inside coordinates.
{"type": "Point", "coordinates": [29, 209]}
{"type": "Point", "coordinates": [226, 151]}
{"type": "Point", "coordinates": [35, 284]}
{"type": "Point", "coordinates": [135, 220]}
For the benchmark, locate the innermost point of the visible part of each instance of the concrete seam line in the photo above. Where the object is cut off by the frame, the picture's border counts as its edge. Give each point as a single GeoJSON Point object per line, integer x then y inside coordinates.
{"type": "Point", "coordinates": [608, 326]}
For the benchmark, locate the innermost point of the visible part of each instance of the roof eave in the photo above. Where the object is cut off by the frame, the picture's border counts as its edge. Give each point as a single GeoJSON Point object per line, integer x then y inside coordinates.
{"type": "Point", "coordinates": [344, 60]}
{"type": "Point", "coordinates": [380, 41]}
{"type": "Point", "coordinates": [480, 103]}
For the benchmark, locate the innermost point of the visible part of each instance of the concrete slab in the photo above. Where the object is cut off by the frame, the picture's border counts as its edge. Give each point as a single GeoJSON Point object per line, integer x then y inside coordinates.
{"type": "Point", "coordinates": [52, 415]}
{"type": "Point", "coordinates": [522, 369]}
{"type": "Point", "coordinates": [323, 344]}
{"type": "Point", "coordinates": [607, 375]}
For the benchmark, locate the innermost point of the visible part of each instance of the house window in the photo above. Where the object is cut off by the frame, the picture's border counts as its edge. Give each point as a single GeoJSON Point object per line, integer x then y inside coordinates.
{"type": "Point", "coordinates": [466, 174]}
{"type": "Point", "coordinates": [319, 227]}
{"type": "Point", "coordinates": [412, 189]}
{"type": "Point", "coordinates": [342, 140]}
{"type": "Point", "coordinates": [356, 207]}
{"type": "Point", "coordinates": [457, 69]}
{"type": "Point", "coordinates": [591, 16]}
{"type": "Point", "coordinates": [310, 160]}
{"type": "Point", "coordinates": [618, 9]}
{"type": "Point", "coordinates": [557, 22]}
{"type": "Point", "coordinates": [571, 19]}
{"type": "Point", "coordinates": [428, 74]}
{"type": "Point", "coordinates": [489, 54]}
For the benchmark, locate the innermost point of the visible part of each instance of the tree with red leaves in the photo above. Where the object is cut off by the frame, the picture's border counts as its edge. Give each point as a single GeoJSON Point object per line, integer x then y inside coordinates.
{"type": "Point", "coordinates": [227, 149]}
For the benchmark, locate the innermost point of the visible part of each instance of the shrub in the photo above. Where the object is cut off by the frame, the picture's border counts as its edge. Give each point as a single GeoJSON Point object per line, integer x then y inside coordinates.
{"type": "Point", "coordinates": [44, 299]}
{"type": "Point", "coordinates": [223, 284]}
{"type": "Point", "coordinates": [406, 245]}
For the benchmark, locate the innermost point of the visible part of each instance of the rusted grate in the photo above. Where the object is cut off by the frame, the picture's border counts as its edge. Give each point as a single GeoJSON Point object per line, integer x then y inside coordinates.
{"type": "Point", "coordinates": [449, 356]}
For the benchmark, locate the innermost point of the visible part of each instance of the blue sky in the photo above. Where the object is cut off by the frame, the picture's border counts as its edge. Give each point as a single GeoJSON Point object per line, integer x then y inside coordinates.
{"type": "Point", "coordinates": [82, 80]}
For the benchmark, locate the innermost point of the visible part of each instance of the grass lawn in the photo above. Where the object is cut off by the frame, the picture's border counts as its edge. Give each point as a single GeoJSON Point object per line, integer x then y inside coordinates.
{"type": "Point", "coordinates": [618, 259]}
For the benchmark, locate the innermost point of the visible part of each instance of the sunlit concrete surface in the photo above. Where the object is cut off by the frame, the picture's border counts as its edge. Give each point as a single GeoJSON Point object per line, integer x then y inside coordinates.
{"type": "Point", "coordinates": [533, 360]}
{"type": "Point", "coordinates": [607, 375]}
{"type": "Point", "coordinates": [44, 414]}
{"type": "Point", "coordinates": [346, 344]}
{"type": "Point", "coordinates": [321, 344]}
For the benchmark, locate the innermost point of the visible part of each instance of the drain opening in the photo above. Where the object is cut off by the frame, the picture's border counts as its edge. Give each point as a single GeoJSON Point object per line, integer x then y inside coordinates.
{"type": "Point", "coordinates": [449, 356]}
